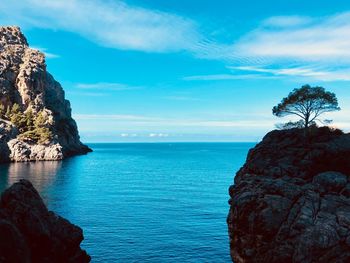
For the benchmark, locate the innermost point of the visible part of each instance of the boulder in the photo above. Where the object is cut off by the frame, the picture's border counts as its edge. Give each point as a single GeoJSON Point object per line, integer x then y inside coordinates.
{"type": "Point", "coordinates": [290, 201]}
{"type": "Point", "coordinates": [31, 233]}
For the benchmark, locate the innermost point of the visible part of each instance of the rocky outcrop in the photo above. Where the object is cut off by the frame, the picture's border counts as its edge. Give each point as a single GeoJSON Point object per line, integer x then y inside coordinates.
{"type": "Point", "coordinates": [25, 81]}
{"type": "Point", "coordinates": [290, 202]}
{"type": "Point", "coordinates": [22, 151]}
{"type": "Point", "coordinates": [31, 233]}
{"type": "Point", "coordinates": [7, 133]}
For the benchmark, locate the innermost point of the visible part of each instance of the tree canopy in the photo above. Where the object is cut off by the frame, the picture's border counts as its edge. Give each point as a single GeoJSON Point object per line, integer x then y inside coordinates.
{"type": "Point", "coordinates": [308, 103]}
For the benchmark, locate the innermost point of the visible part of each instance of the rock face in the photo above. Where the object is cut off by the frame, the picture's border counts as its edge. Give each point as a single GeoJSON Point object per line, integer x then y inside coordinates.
{"type": "Point", "coordinates": [31, 233]}
{"type": "Point", "coordinates": [25, 81]}
{"type": "Point", "coordinates": [291, 199]}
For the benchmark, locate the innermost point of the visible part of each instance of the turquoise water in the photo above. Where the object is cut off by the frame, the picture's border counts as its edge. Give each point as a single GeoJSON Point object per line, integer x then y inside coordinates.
{"type": "Point", "coordinates": [163, 202]}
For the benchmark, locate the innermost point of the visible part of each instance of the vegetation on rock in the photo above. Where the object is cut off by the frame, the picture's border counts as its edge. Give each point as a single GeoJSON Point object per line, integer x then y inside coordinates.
{"type": "Point", "coordinates": [308, 103]}
{"type": "Point", "coordinates": [32, 127]}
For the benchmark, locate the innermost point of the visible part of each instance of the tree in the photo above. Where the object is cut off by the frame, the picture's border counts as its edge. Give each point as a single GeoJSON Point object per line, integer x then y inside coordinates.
{"type": "Point", "coordinates": [41, 129]}
{"type": "Point", "coordinates": [29, 119]}
{"type": "Point", "coordinates": [17, 118]}
{"type": "Point", "coordinates": [36, 129]}
{"type": "Point", "coordinates": [308, 103]}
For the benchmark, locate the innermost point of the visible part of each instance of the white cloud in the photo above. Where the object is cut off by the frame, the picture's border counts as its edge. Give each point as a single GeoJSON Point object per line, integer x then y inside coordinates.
{"type": "Point", "coordinates": [295, 46]}
{"type": "Point", "coordinates": [308, 47]}
{"type": "Point", "coordinates": [286, 21]}
{"type": "Point", "coordinates": [133, 135]}
{"type": "Point", "coordinates": [322, 40]}
{"type": "Point", "coordinates": [323, 74]}
{"type": "Point", "coordinates": [48, 55]}
{"type": "Point", "coordinates": [223, 77]}
{"type": "Point", "coordinates": [158, 135]}
{"type": "Point", "coordinates": [115, 117]}
{"type": "Point", "coordinates": [112, 24]}
{"type": "Point", "coordinates": [105, 86]}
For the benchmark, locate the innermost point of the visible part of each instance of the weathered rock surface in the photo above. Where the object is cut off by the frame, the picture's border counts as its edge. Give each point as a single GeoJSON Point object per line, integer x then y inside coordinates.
{"type": "Point", "coordinates": [22, 152]}
{"type": "Point", "coordinates": [31, 233]}
{"type": "Point", "coordinates": [291, 200]}
{"type": "Point", "coordinates": [25, 81]}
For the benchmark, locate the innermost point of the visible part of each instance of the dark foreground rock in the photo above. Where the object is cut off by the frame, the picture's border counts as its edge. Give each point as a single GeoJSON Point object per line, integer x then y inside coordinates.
{"type": "Point", "coordinates": [291, 200]}
{"type": "Point", "coordinates": [31, 233]}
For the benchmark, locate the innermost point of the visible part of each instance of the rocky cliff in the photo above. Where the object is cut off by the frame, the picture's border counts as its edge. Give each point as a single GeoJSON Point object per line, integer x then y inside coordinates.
{"type": "Point", "coordinates": [30, 96]}
{"type": "Point", "coordinates": [290, 202]}
{"type": "Point", "coordinates": [31, 233]}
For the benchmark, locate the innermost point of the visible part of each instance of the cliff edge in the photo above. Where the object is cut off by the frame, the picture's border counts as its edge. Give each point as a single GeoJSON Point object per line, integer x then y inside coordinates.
{"type": "Point", "coordinates": [35, 117]}
{"type": "Point", "coordinates": [31, 233]}
{"type": "Point", "coordinates": [290, 202]}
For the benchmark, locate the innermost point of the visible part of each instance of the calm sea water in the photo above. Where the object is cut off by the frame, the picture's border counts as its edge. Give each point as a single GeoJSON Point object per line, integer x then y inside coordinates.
{"type": "Point", "coordinates": [164, 202]}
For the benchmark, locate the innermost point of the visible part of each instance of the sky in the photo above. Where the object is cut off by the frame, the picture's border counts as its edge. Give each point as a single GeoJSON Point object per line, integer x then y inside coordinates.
{"type": "Point", "coordinates": [187, 70]}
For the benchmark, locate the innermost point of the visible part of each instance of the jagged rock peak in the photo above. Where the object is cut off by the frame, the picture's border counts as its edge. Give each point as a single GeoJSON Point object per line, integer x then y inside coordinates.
{"type": "Point", "coordinates": [12, 35]}
{"type": "Point", "coordinates": [290, 202]}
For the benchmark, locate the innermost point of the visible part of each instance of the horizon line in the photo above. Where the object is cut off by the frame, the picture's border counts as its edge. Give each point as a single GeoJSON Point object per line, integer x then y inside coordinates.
{"type": "Point", "coordinates": [111, 142]}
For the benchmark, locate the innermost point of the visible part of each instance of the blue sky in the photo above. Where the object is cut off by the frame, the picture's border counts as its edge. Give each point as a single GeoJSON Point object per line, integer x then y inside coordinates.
{"type": "Point", "coordinates": [187, 70]}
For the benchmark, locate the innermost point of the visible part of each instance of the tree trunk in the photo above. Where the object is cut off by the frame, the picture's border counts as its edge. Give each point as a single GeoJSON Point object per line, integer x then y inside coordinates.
{"type": "Point", "coordinates": [306, 127]}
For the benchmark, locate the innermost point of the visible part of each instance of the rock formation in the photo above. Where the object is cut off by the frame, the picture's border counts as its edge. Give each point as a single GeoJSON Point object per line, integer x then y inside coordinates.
{"type": "Point", "coordinates": [24, 81]}
{"type": "Point", "coordinates": [31, 233]}
{"type": "Point", "coordinates": [290, 202]}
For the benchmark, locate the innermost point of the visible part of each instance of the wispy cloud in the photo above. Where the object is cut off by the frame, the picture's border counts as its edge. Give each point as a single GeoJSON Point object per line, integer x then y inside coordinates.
{"type": "Point", "coordinates": [151, 135]}
{"type": "Point", "coordinates": [321, 40]}
{"type": "Point", "coordinates": [315, 48]}
{"type": "Point", "coordinates": [287, 21]}
{"type": "Point", "coordinates": [181, 98]}
{"type": "Point", "coordinates": [106, 86]}
{"type": "Point", "coordinates": [158, 135]}
{"type": "Point", "coordinates": [48, 54]}
{"type": "Point", "coordinates": [223, 77]}
{"type": "Point", "coordinates": [174, 122]}
{"type": "Point", "coordinates": [320, 73]}
{"type": "Point", "coordinates": [114, 117]}
{"type": "Point", "coordinates": [308, 47]}
{"type": "Point", "coordinates": [112, 24]}
{"type": "Point", "coordinates": [129, 135]}
{"type": "Point", "coordinates": [289, 46]}
{"type": "Point", "coordinates": [89, 94]}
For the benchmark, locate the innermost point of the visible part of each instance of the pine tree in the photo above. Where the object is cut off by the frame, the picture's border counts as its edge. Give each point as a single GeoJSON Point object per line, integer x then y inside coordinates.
{"type": "Point", "coordinates": [17, 117]}
{"type": "Point", "coordinates": [43, 132]}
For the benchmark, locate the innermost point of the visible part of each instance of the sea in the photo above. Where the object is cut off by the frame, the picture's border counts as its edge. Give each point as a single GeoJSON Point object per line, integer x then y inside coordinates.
{"type": "Point", "coordinates": [142, 202]}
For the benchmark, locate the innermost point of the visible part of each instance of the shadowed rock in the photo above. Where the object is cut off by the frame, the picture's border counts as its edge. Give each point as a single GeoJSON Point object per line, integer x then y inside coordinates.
{"type": "Point", "coordinates": [31, 233]}
{"type": "Point", "coordinates": [291, 199]}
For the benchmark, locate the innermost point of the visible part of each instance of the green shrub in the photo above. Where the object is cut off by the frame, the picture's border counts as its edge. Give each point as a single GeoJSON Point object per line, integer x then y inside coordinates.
{"type": "Point", "coordinates": [44, 134]}
{"type": "Point", "coordinates": [29, 136]}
